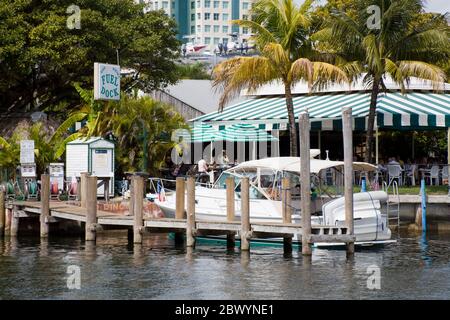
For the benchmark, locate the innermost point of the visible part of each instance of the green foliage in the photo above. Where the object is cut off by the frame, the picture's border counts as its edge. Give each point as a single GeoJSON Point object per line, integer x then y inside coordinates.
{"type": "Point", "coordinates": [193, 71]}
{"type": "Point", "coordinates": [40, 57]}
{"type": "Point", "coordinates": [407, 44]}
{"type": "Point", "coordinates": [159, 121]}
{"type": "Point", "coordinates": [45, 145]}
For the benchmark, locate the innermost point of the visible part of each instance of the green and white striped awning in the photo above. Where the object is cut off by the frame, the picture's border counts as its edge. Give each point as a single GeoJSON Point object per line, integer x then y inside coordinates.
{"type": "Point", "coordinates": [201, 132]}
{"type": "Point", "coordinates": [245, 132]}
{"type": "Point", "coordinates": [415, 110]}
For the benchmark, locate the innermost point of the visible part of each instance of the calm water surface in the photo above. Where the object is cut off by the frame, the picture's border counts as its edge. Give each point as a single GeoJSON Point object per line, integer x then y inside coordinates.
{"type": "Point", "coordinates": [413, 268]}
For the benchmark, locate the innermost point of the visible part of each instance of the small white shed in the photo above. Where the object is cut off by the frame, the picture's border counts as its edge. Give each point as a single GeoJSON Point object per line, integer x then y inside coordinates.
{"type": "Point", "coordinates": [94, 155]}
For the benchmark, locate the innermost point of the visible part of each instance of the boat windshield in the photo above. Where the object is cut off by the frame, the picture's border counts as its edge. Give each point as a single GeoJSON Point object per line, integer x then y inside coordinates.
{"type": "Point", "coordinates": [262, 182]}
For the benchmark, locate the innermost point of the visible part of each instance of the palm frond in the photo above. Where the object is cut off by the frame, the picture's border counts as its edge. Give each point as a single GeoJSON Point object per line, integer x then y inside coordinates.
{"type": "Point", "coordinates": [66, 125]}
{"type": "Point", "coordinates": [61, 148]}
{"type": "Point", "coordinates": [424, 70]}
{"type": "Point", "coordinates": [4, 143]}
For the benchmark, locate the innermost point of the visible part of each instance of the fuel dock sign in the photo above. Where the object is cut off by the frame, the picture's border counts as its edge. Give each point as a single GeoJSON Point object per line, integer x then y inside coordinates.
{"type": "Point", "coordinates": [106, 81]}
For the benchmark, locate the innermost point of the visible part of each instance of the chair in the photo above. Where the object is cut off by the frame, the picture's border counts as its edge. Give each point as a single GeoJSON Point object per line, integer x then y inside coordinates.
{"type": "Point", "coordinates": [410, 174]}
{"type": "Point", "coordinates": [395, 172]}
{"type": "Point", "coordinates": [444, 173]}
{"type": "Point", "coordinates": [433, 174]}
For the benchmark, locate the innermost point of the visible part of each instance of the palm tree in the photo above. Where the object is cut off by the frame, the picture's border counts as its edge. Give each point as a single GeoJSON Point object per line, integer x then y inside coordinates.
{"type": "Point", "coordinates": [144, 116]}
{"type": "Point", "coordinates": [282, 35]}
{"type": "Point", "coordinates": [400, 47]}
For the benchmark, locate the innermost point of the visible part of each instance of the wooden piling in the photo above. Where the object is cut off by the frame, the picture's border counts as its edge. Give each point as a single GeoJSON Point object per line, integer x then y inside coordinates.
{"type": "Point", "coordinates": [138, 199]}
{"type": "Point", "coordinates": [45, 205]}
{"type": "Point", "coordinates": [8, 215]}
{"type": "Point", "coordinates": [180, 212]}
{"type": "Point", "coordinates": [83, 188]}
{"type": "Point", "coordinates": [245, 214]}
{"type": "Point", "coordinates": [2, 213]}
{"type": "Point", "coordinates": [190, 213]}
{"type": "Point", "coordinates": [91, 207]}
{"type": "Point", "coordinates": [14, 222]}
{"type": "Point", "coordinates": [286, 199]}
{"type": "Point", "coordinates": [305, 182]}
{"type": "Point", "coordinates": [230, 209]}
{"type": "Point", "coordinates": [347, 133]}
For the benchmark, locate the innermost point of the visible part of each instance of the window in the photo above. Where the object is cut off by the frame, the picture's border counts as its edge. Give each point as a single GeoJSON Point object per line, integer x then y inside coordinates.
{"type": "Point", "coordinates": [199, 28]}
{"type": "Point", "coordinates": [216, 4]}
{"type": "Point", "coordinates": [225, 4]}
{"type": "Point", "coordinates": [207, 28]}
{"type": "Point", "coordinates": [245, 5]}
{"type": "Point", "coordinates": [225, 40]}
{"type": "Point", "coordinates": [244, 17]}
{"type": "Point", "coordinates": [245, 30]}
{"type": "Point", "coordinates": [192, 4]}
{"type": "Point", "coordinates": [207, 3]}
{"type": "Point", "coordinates": [207, 15]}
{"type": "Point", "coordinates": [198, 4]}
{"type": "Point", "coordinates": [165, 5]}
{"type": "Point", "coordinates": [216, 40]}
{"type": "Point", "coordinates": [192, 16]}
{"type": "Point", "coordinates": [225, 17]}
{"type": "Point", "coordinates": [199, 16]}
{"type": "Point", "coordinates": [207, 40]}
{"type": "Point", "coordinates": [216, 16]}
{"type": "Point", "coordinates": [225, 29]}
{"type": "Point", "coordinates": [192, 29]}
{"type": "Point", "coordinates": [216, 29]}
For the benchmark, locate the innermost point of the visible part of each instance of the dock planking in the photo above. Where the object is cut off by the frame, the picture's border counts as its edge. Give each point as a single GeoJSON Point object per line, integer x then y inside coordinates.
{"type": "Point", "coordinates": [65, 211]}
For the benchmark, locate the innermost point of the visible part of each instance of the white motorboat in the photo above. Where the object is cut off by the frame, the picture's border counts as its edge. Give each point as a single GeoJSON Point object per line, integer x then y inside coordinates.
{"type": "Point", "coordinates": [370, 223]}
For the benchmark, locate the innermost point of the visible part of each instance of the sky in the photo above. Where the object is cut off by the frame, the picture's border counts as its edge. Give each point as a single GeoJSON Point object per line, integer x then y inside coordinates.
{"type": "Point", "coordinates": [441, 6]}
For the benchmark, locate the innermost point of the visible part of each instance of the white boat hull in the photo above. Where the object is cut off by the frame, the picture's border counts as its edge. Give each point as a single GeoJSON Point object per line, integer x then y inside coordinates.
{"type": "Point", "coordinates": [370, 226]}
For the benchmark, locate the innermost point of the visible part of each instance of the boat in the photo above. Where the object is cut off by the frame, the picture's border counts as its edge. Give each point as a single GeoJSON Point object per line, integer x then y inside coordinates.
{"type": "Point", "coordinates": [327, 205]}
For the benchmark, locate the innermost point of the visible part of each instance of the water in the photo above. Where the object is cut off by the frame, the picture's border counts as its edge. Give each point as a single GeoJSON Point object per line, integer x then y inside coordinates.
{"type": "Point", "coordinates": [413, 268]}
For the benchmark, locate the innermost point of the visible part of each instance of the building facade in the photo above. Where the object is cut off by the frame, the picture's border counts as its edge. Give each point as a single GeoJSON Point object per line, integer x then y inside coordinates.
{"type": "Point", "coordinates": [206, 22]}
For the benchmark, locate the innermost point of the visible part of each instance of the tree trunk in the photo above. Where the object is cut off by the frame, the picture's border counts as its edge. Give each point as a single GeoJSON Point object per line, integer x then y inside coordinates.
{"type": "Point", "coordinates": [291, 118]}
{"type": "Point", "coordinates": [372, 114]}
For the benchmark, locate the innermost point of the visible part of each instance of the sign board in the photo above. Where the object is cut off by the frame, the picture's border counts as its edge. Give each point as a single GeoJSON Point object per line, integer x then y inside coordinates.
{"type": "Point", "coordinates": [28, 170]}
{"type": "Point", "coordinates": [27, 151]}
{"type": "Point", "coordinates": [106, 81]}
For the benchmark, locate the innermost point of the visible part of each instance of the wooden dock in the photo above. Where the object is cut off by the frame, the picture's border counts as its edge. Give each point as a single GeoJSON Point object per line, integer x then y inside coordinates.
{"type": "Point", "coordinates": [185, 222]}
{"type": "Point", "coordinates": [104, 220]}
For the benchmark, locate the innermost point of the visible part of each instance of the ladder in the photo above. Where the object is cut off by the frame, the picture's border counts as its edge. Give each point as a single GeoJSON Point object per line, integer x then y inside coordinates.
{"type": "Point", "coordinates": [392, 204]}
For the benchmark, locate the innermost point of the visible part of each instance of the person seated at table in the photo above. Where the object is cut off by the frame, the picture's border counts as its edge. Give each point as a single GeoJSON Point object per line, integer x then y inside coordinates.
{"type": "Point", "coordinates": [223, 158]}
{"type": "Point", "coordinates": [202, 166]}
{"type": "Point", "coordinates": [381, 166]}
{"type": "Point", "coordinates": [393, 161]}
{"type": "Point", "coordinates": [400, 161]}
{"type": "Point", "coordinates": [202, 169]}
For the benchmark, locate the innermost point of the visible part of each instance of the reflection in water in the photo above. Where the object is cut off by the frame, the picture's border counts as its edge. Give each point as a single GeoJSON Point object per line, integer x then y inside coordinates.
{"type": "Point", "coordinates": [424, 249]}
{"type": "Point", "coordinates": [32, 268]}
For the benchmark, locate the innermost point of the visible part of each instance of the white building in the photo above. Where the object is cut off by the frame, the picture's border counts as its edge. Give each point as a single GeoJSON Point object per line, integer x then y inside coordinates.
{"type": "Point", "coordinates": [207, 21]}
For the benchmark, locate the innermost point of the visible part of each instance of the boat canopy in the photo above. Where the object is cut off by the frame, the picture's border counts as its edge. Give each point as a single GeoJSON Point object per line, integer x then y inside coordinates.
{"type": "Point", "coordinates": [292, 164]}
